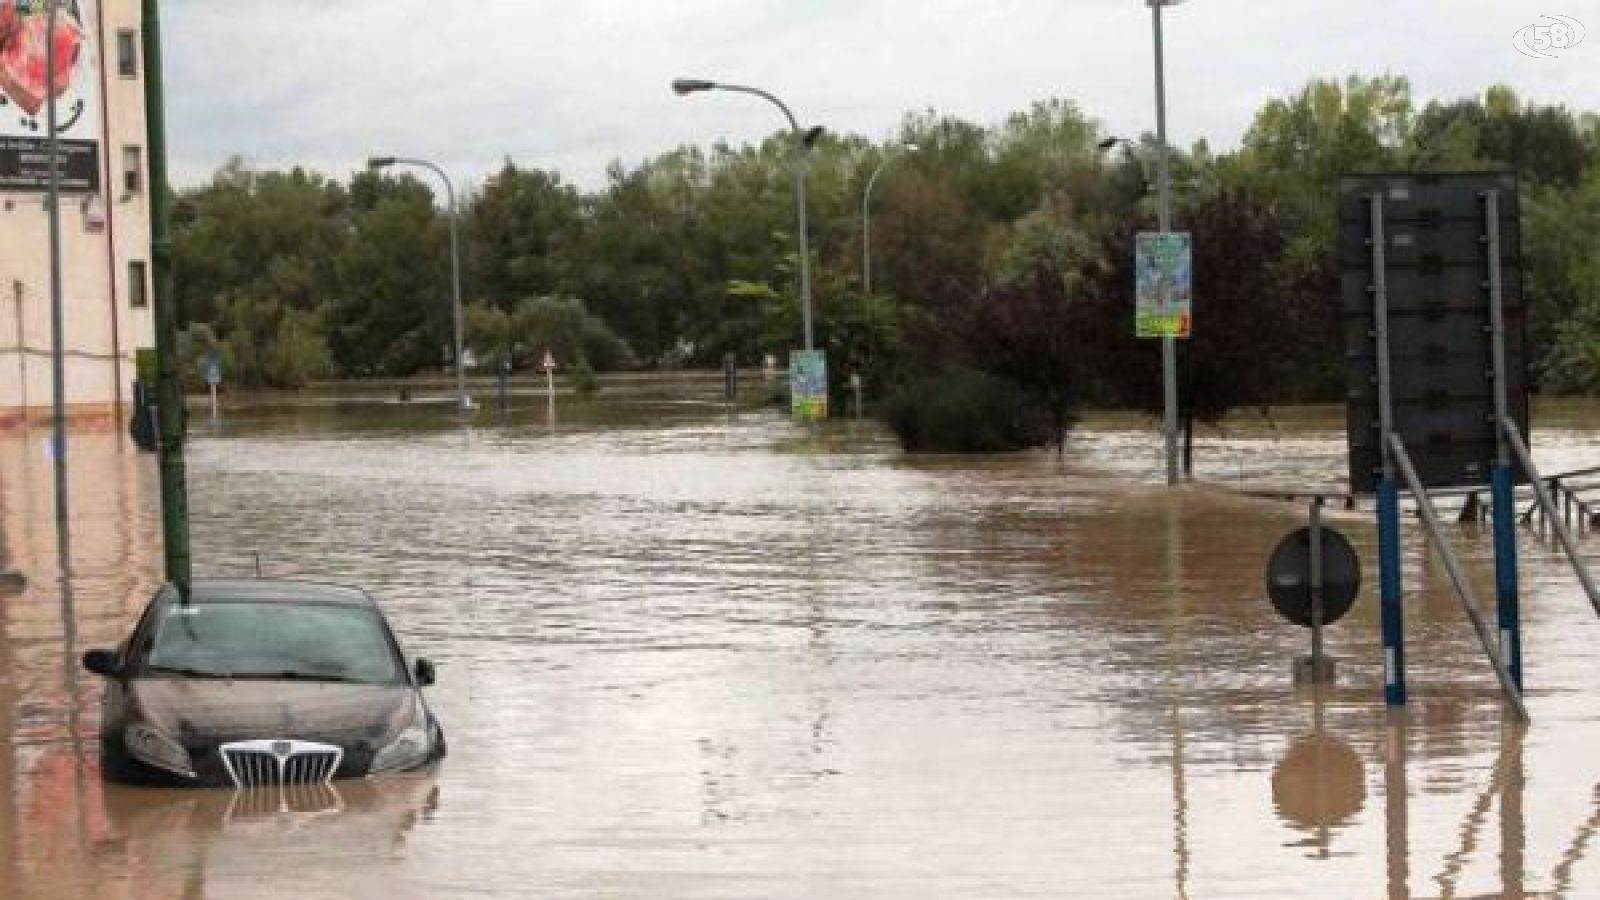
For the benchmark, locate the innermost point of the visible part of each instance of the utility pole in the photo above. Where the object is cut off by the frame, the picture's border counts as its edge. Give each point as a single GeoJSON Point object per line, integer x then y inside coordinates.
{"type": "Point", "coordinates": [169, 381]}
{"type": "Point", "coordinates": [1169, 348]}
{"type": "Point", "coordinates": [58, 366]}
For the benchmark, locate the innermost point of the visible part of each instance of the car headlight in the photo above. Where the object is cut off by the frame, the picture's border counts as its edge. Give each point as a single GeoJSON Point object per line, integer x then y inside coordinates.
{"type": "Point", "coordinates": [154, 748]}
{"type": "Point", "coordinates": [409, 749]}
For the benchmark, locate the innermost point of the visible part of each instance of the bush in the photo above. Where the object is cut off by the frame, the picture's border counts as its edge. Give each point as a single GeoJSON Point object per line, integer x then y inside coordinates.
{"type": "Point", "coordinates": [583, 380]}
{"type": "Point", "coordinates": [962, 410]}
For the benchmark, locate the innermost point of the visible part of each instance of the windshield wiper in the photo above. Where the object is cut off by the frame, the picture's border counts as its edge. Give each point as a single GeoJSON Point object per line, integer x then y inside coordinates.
{"type": "Point", "coordinates": [187, 672]}
{"type": "Point", "coordinates": [295, 675]}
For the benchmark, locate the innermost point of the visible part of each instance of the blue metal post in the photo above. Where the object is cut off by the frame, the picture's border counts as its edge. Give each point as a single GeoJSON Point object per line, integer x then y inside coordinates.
{"type": "Point", "coordinates": [1507, 603]}
{"type": "Point", "coordinates": [1505, 537]}
{"type": "Point", "coordinates": [1394, 636]}
{"type": "Point", "coordinates": [1394, 639]}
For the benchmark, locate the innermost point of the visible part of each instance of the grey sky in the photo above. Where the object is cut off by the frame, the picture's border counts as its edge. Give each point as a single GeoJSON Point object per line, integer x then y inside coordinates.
{"type": "Point", "coordinates": [573, 85]}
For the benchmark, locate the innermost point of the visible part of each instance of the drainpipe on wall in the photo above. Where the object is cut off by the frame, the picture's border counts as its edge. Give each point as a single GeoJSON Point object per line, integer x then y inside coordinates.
{"type": "Point", "coordinates": [22, 351]}
{"type": "Point", "coordinates": [111, 218]}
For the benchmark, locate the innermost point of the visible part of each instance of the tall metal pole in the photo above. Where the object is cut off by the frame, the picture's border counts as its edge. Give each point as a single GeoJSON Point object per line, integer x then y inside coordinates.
{"type": "Point", "coordinates": [379, 162]}
{"type": "Point", "coordinates": [1390, 594]}
{"type": "Point", "coordinates": [1169, 349]}
{"type": "Point", "coordinates": [1507, 601]}
{"type": "Point", "coordinates": [866, 227]}
{"type": "Point", "coordinates": [455, 294]}
{"type": "Point", "coordinates": [58, 373]}
{"type": "Point", "coordinates": [801, 163]}
{"type": "Point", "coordinates": [169, 384]}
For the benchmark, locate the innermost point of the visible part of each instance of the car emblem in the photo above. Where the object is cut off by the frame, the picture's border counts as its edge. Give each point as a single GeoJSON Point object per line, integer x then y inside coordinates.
{"type": "Point", "coordinates": [281, 749]}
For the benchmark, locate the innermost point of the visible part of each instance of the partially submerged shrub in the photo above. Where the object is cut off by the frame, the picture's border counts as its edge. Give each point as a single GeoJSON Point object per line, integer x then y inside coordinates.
{"type": "Point", "coordinates": [962, 410]}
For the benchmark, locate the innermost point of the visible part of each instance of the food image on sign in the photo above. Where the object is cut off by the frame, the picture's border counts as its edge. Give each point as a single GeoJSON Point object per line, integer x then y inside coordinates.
{"type": "Point", "coordinates": [1163, 281]}
{"type": "Point", "coordinates": [23, 70]}
{"type": "Point", "coordinates": [26, 88]}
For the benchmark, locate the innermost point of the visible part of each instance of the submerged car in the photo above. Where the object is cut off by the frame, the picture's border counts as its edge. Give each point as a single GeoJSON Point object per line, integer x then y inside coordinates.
{"type": "Point", "coordinates": [254, 683]}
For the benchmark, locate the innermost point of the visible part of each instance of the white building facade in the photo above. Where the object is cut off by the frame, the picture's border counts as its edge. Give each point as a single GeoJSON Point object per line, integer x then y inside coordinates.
{"type": "Point", "coordinates": [105, 215]}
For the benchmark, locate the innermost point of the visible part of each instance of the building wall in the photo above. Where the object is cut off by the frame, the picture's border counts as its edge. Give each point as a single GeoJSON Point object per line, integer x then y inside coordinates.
{"type": "Point", "coordinates": [100, 235]}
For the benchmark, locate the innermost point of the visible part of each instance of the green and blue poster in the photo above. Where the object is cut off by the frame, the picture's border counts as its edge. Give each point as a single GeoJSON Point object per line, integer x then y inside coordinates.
{"type": "Point", "coordinates": [1163, 282]}
{"type": "Point", "coordinates": [808, 384]}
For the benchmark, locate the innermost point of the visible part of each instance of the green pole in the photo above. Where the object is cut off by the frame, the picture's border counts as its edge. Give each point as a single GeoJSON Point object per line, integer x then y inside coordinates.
{"type": "Point", "coordinates": [169, 383]}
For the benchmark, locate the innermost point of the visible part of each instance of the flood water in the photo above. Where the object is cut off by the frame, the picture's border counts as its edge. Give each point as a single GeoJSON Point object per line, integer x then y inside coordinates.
{"type": "Point", "coordinates": [685, 653]}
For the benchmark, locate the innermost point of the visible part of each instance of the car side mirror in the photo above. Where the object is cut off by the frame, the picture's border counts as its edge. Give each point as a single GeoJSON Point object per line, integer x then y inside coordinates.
{"type": "Point", "coordinates": [102, 663]}
{"type": "Point", "coordinates": [425, 672]}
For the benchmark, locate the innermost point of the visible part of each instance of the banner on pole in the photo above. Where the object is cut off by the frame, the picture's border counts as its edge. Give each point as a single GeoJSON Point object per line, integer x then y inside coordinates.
{"type": "Point", "coordinates": [808, 384]}
{"type": "Point", "coordinates": [1163, 282]}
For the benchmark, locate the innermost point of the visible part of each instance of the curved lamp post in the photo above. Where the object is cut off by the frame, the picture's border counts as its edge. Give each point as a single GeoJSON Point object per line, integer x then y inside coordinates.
{"type": "Point", "coordinates": [866, 218]}
{"type": "Point", "coordinates": [384, 162]}
{"type": "Point", "coordinates": [803, 139]}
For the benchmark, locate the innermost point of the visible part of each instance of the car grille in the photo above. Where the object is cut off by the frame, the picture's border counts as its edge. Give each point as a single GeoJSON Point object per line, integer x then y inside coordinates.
{"type": "Point", "coordinates": [253, 764]}
{"type": "Point", "coordinates": [293, 799]}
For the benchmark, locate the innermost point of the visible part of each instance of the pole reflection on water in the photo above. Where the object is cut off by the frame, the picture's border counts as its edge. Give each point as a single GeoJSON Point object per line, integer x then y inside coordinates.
{"type": "Point", "coordinates": [692, 652]}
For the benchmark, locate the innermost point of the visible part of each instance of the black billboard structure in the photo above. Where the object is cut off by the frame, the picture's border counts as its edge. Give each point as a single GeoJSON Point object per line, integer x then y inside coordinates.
{"type": "Point", "coordinates": [1434, 234]}
{"type": "Point", "coordinates": [1435, 364]}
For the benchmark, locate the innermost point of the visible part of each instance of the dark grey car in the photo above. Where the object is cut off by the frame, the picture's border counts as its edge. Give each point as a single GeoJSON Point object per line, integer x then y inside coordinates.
{"type": "Point", "coordinates": [259, 682]}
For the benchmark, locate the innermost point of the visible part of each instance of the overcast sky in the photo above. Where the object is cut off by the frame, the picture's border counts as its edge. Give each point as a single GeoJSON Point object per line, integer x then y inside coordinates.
{"type": "Point", "coordinates": [573, 85]}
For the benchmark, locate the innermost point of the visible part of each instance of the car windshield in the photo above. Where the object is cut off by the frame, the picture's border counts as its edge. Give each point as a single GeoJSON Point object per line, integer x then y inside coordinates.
{"type": "Point", "coordinates": [315, 642]}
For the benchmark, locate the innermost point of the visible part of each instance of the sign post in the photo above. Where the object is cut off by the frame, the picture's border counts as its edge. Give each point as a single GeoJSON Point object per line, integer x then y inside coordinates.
{"type": "Point", "coordinates": [549, 366]}
{"type": "Point", "coordinates": [1313, 578]}
{"type": "Point", "coordinates": [1502, 478]}
{"type": "Point", "coordinates": [213, 378]}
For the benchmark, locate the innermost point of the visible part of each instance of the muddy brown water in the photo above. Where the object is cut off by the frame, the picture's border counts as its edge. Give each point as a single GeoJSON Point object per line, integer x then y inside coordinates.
{"type": "Point", "coordinates": [684, 653]}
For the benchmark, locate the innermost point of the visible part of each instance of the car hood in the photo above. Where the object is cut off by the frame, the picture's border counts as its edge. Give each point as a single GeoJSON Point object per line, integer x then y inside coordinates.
{"type": "Point", "coordinates": [201, 712]}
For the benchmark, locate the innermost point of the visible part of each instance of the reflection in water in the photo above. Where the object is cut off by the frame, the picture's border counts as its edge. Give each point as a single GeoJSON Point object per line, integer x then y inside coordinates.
{"type": "Point", "coordinates": [1319, 787]}
{"type": "Point", "coordinates": [688, 651]}
{"type": "Point", "coordinates": [1504, 788]}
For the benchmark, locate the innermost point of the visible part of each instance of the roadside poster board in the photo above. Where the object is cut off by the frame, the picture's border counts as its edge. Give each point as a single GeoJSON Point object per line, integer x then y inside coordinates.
{"type": "Point", "coordinates": [1163, 281]}
{"type": "Point", "coordinates": [24, 155]}
{"type": "Point", "coordinates": [808, 384]}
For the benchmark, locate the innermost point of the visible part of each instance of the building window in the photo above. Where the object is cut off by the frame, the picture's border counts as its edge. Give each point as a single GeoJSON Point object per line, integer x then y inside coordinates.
{"type": "Point", "coordinates": [138, 292]}
{"type": "Point", "coordinates": [132, 169]}
{"type": "Point", "coordinates": [128, 53]}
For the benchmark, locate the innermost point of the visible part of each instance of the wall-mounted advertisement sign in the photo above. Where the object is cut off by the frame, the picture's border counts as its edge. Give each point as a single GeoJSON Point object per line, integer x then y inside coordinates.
{"type": "Point", "coordinates": [24, 93]}
{"type": "Point", "coordinates": [1163, 282]}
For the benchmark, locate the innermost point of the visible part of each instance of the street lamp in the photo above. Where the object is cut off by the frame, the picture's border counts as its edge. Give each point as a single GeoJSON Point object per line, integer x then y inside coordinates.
{"type": "Point", "coordinates": [383, 162]}
{"type": "Point", "coordinates": [1169, 350]}
{"type": "Point", "coordinates": [803, 139]}
{"type": "Point", "coordinates": [866, 219]}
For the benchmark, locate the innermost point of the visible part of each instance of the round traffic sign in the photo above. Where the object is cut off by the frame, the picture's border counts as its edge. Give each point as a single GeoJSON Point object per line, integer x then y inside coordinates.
{"type": "Point", "coordinates": [1289, 576]}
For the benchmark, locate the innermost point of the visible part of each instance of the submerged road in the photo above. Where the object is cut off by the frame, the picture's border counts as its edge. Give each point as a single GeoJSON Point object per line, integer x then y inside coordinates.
{"type": "Point", "coordinates": [690, 654]}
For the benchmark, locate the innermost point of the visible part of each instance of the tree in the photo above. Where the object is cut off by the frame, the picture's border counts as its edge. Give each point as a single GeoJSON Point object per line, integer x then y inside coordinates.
{"type": "Point", "coordinates": [522, 233]}
{"type": "Point", "coordinates": [1260, 318]}
{"type": "Point", "coordinates": [1296, 148]}
{"type": "Point", "coordinates": [1544, 144]}
{"type": "Point", "coordinates": [393, 312]}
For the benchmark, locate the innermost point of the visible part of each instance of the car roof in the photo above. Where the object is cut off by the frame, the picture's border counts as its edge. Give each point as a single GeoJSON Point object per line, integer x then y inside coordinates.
{"type": "Point", "coordinates": [265, 590]}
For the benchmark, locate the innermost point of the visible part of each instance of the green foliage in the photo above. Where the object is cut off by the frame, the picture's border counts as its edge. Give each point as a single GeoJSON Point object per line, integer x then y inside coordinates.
{"type": "Point", "coordinates": [999, 247]}
{"type": "Point", "coordinates": [584, 380]}
{"type": "Point", "coordinates": [963, 410]}
{"type": "Point", "coordinates": [1264, 323]}
{"type": "Point", "coordinates": [196, 345]}
{"type": "Point", "coordinates": [1564, 285]}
